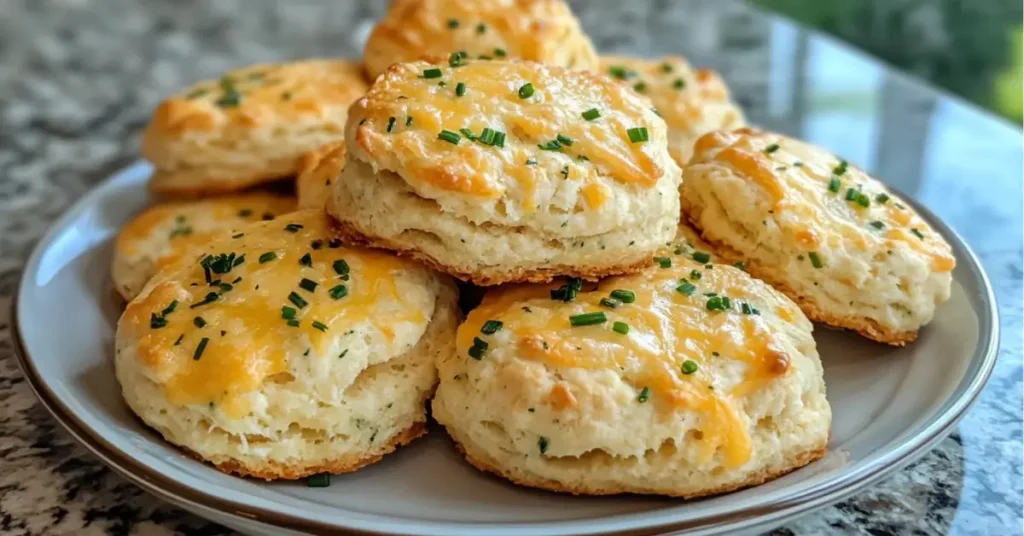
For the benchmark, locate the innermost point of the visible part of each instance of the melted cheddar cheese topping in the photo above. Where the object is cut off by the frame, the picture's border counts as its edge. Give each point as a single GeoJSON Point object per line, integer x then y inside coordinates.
{"type": "Point", "coordinates": [692, 102]}
{"type": "Point", "coordinates": [259, 95]}
{"type": "Point", "coordinates": [537, 30]}
{"type": "Point", "coordinates": [833, 202]}
{"type": "Point", "coordinates": [543, 136]}
{"type": "Point", "coordinates": [216, 329]}
{"type": "Point", "coordinates": [667, 328]}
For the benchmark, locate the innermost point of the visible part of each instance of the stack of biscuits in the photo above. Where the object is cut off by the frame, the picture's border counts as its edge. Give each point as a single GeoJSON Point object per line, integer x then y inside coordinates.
{"type": "Point", "coordinates": [648, 266]}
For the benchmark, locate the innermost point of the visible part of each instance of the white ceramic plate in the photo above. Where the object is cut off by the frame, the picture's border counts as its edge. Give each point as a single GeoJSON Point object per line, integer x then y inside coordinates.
{"type": "Point", "coordinates": [890, 405]}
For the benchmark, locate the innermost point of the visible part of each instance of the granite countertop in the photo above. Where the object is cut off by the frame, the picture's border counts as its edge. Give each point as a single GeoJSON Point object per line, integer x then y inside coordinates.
{"type": "Point", "coordinates": [78, 79]}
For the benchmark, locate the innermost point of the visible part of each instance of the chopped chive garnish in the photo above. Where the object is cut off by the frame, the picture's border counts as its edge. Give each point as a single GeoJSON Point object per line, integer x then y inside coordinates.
{"type": "Point", "coordinates": [686, 288]}
{"type": "Point", "coordinates": [306, 260]}
{"type": "Point", "coordinates": [449, 137]}
{"type": "Point", "coordinates": [624, 296]}
{"type": "Point", "coordinates": [620, 327]}
{"type": "Point", "coordinates": [645, 394]}
{"type": "Point", "coordinates": [316, 244]}
{"type": "Point", "coordinates": [741, 265]}
{"type": "Point", "coordinates": [477, 341]}
{"type": "Point", "coordinates": [679, 83]}
{"type": "Point", "coordinates": [239, 235]}
{"type": "Point", "coordinates": [408, 121]}
{"type": "Point", "coordinates": [745, 309]}
{"type": "Point", "coordinates": [200, 349]}
{"type": "Point", "coordinates": [487, 136]}
{"type": "Point", "coordinates": [591, 114]}
{"type": "Point", "coordinates": [815, 261]}
{"type": "Point", "coordinates": [491, 327]}
{"type": "Point", "coordinates": [840, 168]}
{"type": "Point", "coordinates": [851, 194]}
{"type": "Point", "coordinates": [526, 91]}
{"type": "Point", "coordinates": [341, 267]}
{"type": "Point", "coordinates": [210, 298]}
{"type": "Point", "coordinates": [717, 303]}
{"type": "Point", "coordinates": [322, 480]}
{"type": "Point", "coordinates": [288, 313]}
{"type": "Point", "coordinates": [834, 185]}
{"type": "Point", "coordinates": [500, 52]}
{"type": "Point", "coordinates": [308, 284]}
{"type": "Point", "coordinates": [565, 172]}
{"type": "Point", "coordinates": [432, 73]}
{"type": "Point", "coordinates": [293, 227]}
{"type": "Point", "coordinates": [882, 198]}
{"type": "Point", "coordinates": [267, 257]}
{"type": "Point", "coordinates": [499, 139]}
{"type": "Point", "coordinates": [170, 308]}
{"type": "Point", "coordinates": [391, 123]}
{"type": "Point", "coordinates": [564, 140]}
{"type": "Point", "coordinates": [156, 321]}
{"type": "Point", "coordinates": [460, 89]}
{"type": "Point", "coordinates": [637, 135]}
{"type": "Point", "coordinates": [531, 162]}
{"type": "Point", "coordinates": [177, 342]}
{"type": "Point", "coordinates": [689, 367]}
{"type": "Point", "coordinates": [468, 134]}
{"type": "Point", "coordinates": [610, 303]}
{"type": "Point", "coordinates": [701, 256]}
{"type": "Point", "coordinates": [771, 148]}
{"type": "Point", "coordinates": [297, 300]}
{"type": "Point", "coordinates": [863, 200]}
{"type": "Point", "coordinates": [245, 213]}
{"type": "Point", "coordinates": [588, 319]}
{"type": "Point", "coordinates": [552, 145]}
{"type": "Point", "coordinates": [319, 325]}
{"type": "Point", "coordinates": [666, 67]}
{"type": "Point", "coordinates": [453, 23]}
{"type": "Point", "coordinates": [455, 59]}
{"type": "Point", "coordinates": [542, 444]}
{"type": "Point", "coordinates": [338, 292]}
{"type": "Point", "coordinates": [664, 262]}
{"type": "Point", "coordinates": [294, 323]}
{"type": "Point", "coordinates": [917, 233]}
{"type": "Point", "coordinates": [476, 352]}
{"type": "Point", "coordinates": [481, 28]}
{"type": "Point", "coordinates": [877, 224]}
{"type": "Point", "coordinates": [619, 72]}
{"type": "Point", "coordinates": [239, 260]}
{"type": "Point", "coordinates": [199, 322]}
{"type": "Point", "coordinates": [695, 274]}
{"type": "Point", "coordinates": [640, 87]}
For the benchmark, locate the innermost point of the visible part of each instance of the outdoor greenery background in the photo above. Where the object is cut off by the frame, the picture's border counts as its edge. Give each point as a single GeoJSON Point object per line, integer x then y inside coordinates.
{"type": "Point", "coordinates": [970, 47]}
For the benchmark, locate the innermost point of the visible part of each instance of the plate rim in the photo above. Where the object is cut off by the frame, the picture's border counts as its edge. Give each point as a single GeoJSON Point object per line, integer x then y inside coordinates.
{"type": "Point", "coordinates": [826, 492]}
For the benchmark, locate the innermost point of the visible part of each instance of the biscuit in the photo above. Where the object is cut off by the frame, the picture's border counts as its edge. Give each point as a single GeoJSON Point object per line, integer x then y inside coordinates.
{"type": "Point", "coordinates": [831, 237]}
{"type": "Point", "coordinates": [504, 171]}
{"type": "Point", "coordinates": [249, 127]}
{"type": "Point", "coordinates": [281, 353]}
{"type": "Point", "coordinates": [684, 380]}
{"type": "Point", "coordinates": [319, 169]}
{"type": "Point", "coordinates": [693, 102]}
{"type": "Point", "coordinates": [539, 30]}
{"type": "Point", "coordinates": [166, 231]}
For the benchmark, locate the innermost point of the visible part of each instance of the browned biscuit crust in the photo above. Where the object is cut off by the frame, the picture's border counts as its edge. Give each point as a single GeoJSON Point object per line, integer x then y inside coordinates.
{"type": "Point", "coordinates": [348, 464]}
{"type": "Point", "coordinates": [490, 277]}
{"type": "Point", "coordinates": [486, 464]}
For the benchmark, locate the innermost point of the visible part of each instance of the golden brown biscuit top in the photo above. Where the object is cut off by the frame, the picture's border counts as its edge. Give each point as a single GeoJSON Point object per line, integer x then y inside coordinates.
{"type": "Point", "coordinates": [189, 223]}
{"type": "Point", "coordinates": [672, 332]}
{"type": "Point", "coordinates": [220, 323]}
{"type": "Point", "coordinates": [823, 200]}
{"type": "Point", "coordinates": [260, 95]}
{"type": "Point", "coordinates": [525, 29]}
{"type": "Point", "coordinates": [478, 128]}
{"type": "Point", "coordinates": [681, 94]}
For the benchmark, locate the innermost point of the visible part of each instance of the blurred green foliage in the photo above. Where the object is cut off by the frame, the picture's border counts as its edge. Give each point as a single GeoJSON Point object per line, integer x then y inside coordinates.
{"type": "Point", "coordinates": [970, 47]}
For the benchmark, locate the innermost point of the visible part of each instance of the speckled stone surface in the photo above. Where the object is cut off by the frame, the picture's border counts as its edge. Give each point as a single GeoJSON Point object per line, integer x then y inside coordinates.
{"type": "Point", "coordinates": [78, 79]}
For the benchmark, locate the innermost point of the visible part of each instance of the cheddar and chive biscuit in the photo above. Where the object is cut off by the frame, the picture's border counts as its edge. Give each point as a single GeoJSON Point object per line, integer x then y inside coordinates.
{"type": "Point", "coordinates": [168, 231]}
{"type": "Point", "coordinates": [319, 169]}
{"type": "Point", "coordinates": [539, 30]}
{"type": "Point", "coordinates": [280, 353]}
{"type": "Point", "coordinates": [507, 171]}
{"type": "Point", "coordinates": [249, 127]}
{"type": "Point", "coordinates": [825, 233]}
{"type": "Point", "coordinates": [692, 102]}
{"type": "Point", "coordinates": [688, 379]}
